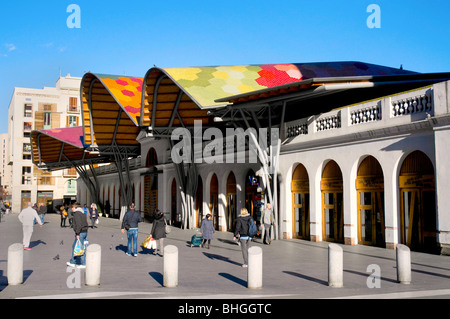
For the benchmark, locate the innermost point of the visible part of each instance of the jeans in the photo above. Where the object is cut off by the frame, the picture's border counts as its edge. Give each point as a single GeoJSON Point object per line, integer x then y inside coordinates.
{"type": "Point", "coordinates": [267, 236]}
{"type": "Point", "coordinates": [79, 260]}
{"type": "Point", "coordinates": [132, 235]}
{"type": "Point", "coordinates": [244, 246]}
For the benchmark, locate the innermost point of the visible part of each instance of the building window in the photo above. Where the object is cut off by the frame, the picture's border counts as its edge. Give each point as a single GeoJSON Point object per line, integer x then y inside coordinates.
{"type": "Point", "coordinates": [26, 175]}
{"type": "Point", "coordinates": [72, 121]}
{"type": "Point", "coordinates": [26, 157]}
{"type": "Point", "coordinates": [27, 126]}
{"type": "Point", "coordinates": [28, 110]}
{"type": "Point", "coordinates": [26, 147]}
{"type": "Point", "coordinates": [47, 120]}
{"type": "Point", "coordinates": [73, 104]}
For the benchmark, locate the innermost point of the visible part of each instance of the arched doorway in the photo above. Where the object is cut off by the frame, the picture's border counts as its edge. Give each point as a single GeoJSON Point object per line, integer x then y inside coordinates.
{"type": "Point", "coordinates": [151, 184]}
{"type": "Point", "coordinates": [370, 190]}
{"type": "Point", "coordinates": [251, 193]}
{"type": "Point", "coordinates": [418, 203]}
{"type": "Point", "coordinates": [332, 203]}
{"type": "Point", "coordinates": [199, 201]}
{"type": "Point", "coordinates": [214, 200]}
{"type": "Point", "coordinates": [231, 202]}
{"type": "Point", "coordinates": [300, 203]}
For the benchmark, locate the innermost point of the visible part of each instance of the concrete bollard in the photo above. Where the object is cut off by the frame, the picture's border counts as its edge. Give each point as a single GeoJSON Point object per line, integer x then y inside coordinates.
{"type": "Point", "coordinates": [170, 266]}
{"type": "Point", "coordinates": [403, 264]}
{"type": "Point", "coordinates": [335, 266]}
{"type": "Point", "coordinates": [255, 268]}
{"type": "Point", "coordinates": [93, 265]}
{"type": "Point", "coordinates": [15, 264]}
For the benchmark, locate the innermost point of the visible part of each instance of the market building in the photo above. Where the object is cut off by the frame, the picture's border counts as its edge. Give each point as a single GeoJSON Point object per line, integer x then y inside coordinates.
{"type": "Point", "coordinates": [346, 152]}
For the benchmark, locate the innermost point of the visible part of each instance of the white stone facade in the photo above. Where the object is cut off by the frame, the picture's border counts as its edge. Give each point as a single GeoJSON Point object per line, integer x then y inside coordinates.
{"type": "Point", "coordinates": [388, 129]}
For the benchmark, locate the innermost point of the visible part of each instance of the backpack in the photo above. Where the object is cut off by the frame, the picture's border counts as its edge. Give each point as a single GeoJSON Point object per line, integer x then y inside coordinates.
{"type": "Point", "coordinates": [252, 229]}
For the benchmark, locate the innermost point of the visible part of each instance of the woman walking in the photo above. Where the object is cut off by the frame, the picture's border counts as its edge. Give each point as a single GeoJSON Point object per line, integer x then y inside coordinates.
{"type": "Point", "coordinates": [93, 214]}
{"type": "Point", "coordinates": [207, 230]}
{"type": "Point", "coordinates": [63, 213]}
{"type": "Point", "coordinates": [159, 231]}
{"type": "Point", "coordinates": [242, 227]}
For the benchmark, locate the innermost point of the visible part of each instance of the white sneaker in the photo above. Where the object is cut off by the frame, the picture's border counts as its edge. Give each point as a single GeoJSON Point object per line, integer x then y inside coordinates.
{"type": "Point", "coordinates": [70, 264]}
{"type": "Point", "coordinates": [81, 266]}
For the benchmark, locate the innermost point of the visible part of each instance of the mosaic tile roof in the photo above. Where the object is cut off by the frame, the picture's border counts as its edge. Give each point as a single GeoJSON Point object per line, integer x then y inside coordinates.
{"type": "Point", "coordinates": [127, 91]}
{"type": "Point", "coordinates": [207, 84]}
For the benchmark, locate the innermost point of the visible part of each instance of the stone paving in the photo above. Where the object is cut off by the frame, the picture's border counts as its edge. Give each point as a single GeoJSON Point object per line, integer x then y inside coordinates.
{"type": "Point", "coordinates": [292, 269]}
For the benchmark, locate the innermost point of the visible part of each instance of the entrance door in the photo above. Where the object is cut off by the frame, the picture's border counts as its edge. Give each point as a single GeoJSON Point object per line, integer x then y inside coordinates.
{"type": "Point", "coordinates": [214, 201]}
{"type": "Point", "coordinates": [332, 203]}
{"type": "Point", "coordinates": [418, 203]}
{"type": "Point", "coordinates": [150, 185]}
{"type": "Point", "coordinates": [370, 202]}
{"type": "Point", "coordinates": [231, 202]}
{"type": "Point", "coordinates": [199, 201]}
{"type": "Point", "coordinates": [300, 203]}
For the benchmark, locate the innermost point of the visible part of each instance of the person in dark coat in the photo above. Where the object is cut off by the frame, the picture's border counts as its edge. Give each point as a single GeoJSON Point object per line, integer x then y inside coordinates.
{"type": "Point", "coordinates": [207, 230]}
{"type": "Point", "coordinates": [80, 227]}
{"type": "Point", "coordinates": [130, 223]}
{"type": "Point", "coordinates": [244, 237]}
{"type": "Point", "coordinates": [159, 231]}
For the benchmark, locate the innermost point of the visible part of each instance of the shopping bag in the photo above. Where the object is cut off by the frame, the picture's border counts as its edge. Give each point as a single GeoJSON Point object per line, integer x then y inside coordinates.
{"type": "Point", "coordinates": [146, 243]}
{"type": "Point", "coordinates": [152, 243]}
{"type": "Point", "coordinates": [78, 249]}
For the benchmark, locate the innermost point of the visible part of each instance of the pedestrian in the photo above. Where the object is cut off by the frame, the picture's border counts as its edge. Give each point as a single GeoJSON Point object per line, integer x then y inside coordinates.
{"type": "Point", "coordinates": [2, 210]}
{"type": "Point", "coordinates": [42, 211]}
{"type": "Point", "coordinates": [159, 231]}
{"type": "Point", "coordinates": [207, 230]}
{"type": "Point", "coordinates": [85, 210]}
{"type": "Point", "coordinates": [69, 214]}
{"type": "Point", "coordinates": [35, 207]}
{"type": "Point", "coordinates": [242, 229]}
{"type": "Point", "coordinates": [27, 217]}
{"type": "Point", "coordinates": [267, 220]}
{"type": "Point", "coordinates": [130, 223]}
{"type": "Point", "coordinates": [93, 214]}
{"type": "Point", "coordinates": [80, 227]}
{"type": "Point", "coordinates": [63, 213]}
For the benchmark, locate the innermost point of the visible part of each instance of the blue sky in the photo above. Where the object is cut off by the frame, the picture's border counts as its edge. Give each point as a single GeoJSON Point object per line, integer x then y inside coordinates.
{"type": "Point", "coordinates": [129, 37]}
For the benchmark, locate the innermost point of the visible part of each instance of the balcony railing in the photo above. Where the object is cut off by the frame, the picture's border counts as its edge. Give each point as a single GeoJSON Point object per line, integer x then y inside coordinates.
{"type": "Point", "coordinates": [393, 110]}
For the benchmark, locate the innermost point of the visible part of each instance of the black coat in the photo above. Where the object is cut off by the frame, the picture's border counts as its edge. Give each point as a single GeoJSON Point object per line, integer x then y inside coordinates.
{"type": "Point", "coordinates": [159, 227]}
{"type": "Point", "coordinates": [80, 224]}
{"type": "Point", "coordinates": [242, 226]}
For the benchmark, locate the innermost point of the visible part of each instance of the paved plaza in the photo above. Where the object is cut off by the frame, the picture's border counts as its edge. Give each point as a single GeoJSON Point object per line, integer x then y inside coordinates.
{"type": "Point", "coordinates": [292, 269]}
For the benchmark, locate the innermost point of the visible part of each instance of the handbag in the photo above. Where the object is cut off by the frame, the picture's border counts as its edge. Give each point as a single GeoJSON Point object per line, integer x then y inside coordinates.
{"type": "Point", "coordinates": [168, 228]}
{"type": "Point", "coordinates": [78, 249]}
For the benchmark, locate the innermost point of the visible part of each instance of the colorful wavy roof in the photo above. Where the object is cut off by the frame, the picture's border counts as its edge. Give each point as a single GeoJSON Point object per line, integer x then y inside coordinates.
{"type": "Point", "coordinates": [207, 84]}
{"type": "Point", "coordinates": [127, 91]}
{"type": "Point", "coordinates": [69, 135]}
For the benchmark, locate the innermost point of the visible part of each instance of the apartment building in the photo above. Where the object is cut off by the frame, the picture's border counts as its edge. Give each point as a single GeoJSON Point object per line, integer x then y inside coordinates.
{"type": "Point", "coordinates": [40, 109]}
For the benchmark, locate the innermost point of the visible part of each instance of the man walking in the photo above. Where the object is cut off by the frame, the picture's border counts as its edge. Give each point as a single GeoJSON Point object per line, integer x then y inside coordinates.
{"type": "Point", "coordinates": [267, 220]}
{"type": "Point", "coordinates": [27, 217]}
{"type": "Point", "coordinates": [80, 227]}
{"type": "Point", "coordinates": [130, 223]}
{"type": "Point", "coordinates": [42, 211]}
